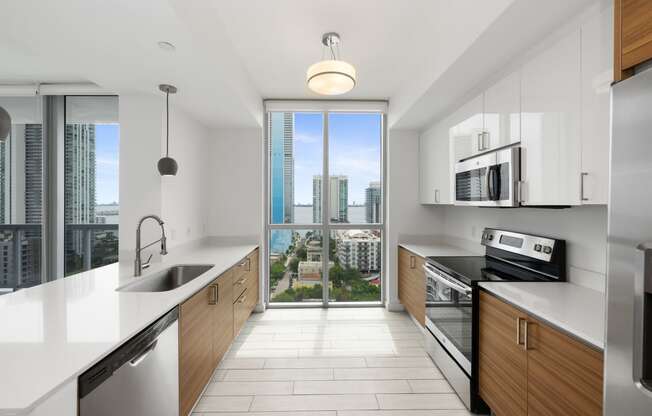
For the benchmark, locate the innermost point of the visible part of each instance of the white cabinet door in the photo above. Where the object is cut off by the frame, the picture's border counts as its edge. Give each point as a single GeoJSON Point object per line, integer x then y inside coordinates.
{"type": "Point", "coordinates": [597, 75]}
{"type": "Point", "coordinates": [502, 112]}
{"type": "Point", "coordinates": [467, 128]}
{"type": "Point", "coordinates": [434, 165]}
{"type": "Point", "coordinates": [550, 125]}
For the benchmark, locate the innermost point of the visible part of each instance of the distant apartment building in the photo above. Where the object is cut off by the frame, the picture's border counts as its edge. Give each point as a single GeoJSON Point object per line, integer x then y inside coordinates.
{"type": "Point", "coordinates": [281, 148]}
{"type": "Point", "coordinates": [373, 203]}
{"type": "Point", "coordinates": [339, 198]}
{"type": "Point", "coordinates": [359, 249]}
{"type": "Point", "coordinates": [21, 170]}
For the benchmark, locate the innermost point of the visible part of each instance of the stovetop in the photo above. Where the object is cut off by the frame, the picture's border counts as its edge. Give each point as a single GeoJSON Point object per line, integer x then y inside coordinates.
{"type": "Point", "coordinates": [474, 269]}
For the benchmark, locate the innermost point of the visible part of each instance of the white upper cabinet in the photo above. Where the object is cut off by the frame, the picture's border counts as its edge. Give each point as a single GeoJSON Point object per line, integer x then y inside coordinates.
{"type": "Point", "coordinates": [434, 165]}
{"type": "Point", "coordinates": [467, 129]}
{"type": "Point", "coordinates": [597, 75]}
{"type": "Point", "coordinates": [550, 125]}
{"type": "Point", "coordinates": [502, 112]}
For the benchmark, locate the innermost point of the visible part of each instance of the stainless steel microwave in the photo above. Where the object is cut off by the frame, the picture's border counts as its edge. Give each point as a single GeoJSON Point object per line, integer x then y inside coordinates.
{"type": "Point", "coordinates": [490, 179]}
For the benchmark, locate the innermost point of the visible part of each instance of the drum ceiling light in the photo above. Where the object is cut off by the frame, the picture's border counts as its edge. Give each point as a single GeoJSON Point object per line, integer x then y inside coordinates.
{"type": "Point", "coordinates": [331, 76]}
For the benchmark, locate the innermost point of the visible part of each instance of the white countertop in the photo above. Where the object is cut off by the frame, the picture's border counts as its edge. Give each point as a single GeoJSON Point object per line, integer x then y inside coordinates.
{"type": "Point", "coordinates": [51, 333]}
{"type": "Point", "coordinates": [574, 309]}
{"type": "Point", "coordinates": [435, 249]}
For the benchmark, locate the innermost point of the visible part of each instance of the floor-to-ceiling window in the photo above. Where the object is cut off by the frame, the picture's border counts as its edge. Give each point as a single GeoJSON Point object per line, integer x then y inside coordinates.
{"type": "Point", "coordinates": [58, 166]}
{"type": "Point", "coordinates": [21, 194]}
{"type": "Point", "coordinates": [91, 206]}
{"type": "Point", "coordinates": [325, 237]}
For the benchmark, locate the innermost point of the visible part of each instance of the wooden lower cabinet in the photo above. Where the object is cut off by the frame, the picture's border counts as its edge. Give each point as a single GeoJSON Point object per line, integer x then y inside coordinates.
{"type": "Point", "coordinates": [502, 366]}
{"type": "Point", "coordinates": [412, 284]}
{"type": "Point", "coordinates": [195, 347]}
{"type": "Point", "coordinates": [564, 375]}
{"type": "Point", "coordinates": [526, 367]}
{"type": "Point", "coordinates": [207, 326]}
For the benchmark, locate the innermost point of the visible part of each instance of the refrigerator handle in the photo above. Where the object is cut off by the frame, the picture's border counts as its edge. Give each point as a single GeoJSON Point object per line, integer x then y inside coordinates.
{"type": "Point", "coordinates": [642, 287]}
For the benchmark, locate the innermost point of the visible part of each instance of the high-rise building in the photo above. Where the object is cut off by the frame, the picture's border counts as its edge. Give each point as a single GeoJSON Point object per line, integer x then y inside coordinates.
{"type": "Point", "coordinates": [21, 169]}
{"type": "Point", "coordinates": [79, 198]}
{"type": "Point", "coordinates": [79, 189]}
{"type": "Point", "coordinates": [281, 148]}
{"type": "Point", "coordinates": [339, 198]}
{"type": "Point", "coordinates": [359, 249]}
{"type": "Point", "coordinates": [373, 202]}
{"type": "Point", "coordinates": [281, 142]}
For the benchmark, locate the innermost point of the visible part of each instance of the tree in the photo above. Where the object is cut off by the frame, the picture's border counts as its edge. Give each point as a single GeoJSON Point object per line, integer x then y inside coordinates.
{"type": "Point", "coordinates": [276, 272]}
{"type": "Point", "coordinates": [294, 265]}
{"type": "Point", "coordinates": [336, 275]}
{"type": "Point", "coordinates": [301, 253]}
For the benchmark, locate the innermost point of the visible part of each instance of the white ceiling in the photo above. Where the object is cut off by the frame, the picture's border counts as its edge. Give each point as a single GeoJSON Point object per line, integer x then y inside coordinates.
{"type": "Point", "coordinates": [232, 53]}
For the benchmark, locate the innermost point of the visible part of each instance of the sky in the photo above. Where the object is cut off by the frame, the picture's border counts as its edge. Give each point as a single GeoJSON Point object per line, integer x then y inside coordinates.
{"type": "Point", "coordinates": [107, 145]}
{"type": "Point", "coordinates": [354, 151]}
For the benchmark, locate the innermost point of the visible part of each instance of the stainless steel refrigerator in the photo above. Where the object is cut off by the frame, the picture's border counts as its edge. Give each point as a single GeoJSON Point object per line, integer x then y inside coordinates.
{"type": "Point", "coordinates": [628, 351]}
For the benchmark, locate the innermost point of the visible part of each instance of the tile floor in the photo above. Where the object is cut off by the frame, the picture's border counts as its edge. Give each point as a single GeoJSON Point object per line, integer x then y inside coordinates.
{"type": "Point", "coordinates": [329, 362]}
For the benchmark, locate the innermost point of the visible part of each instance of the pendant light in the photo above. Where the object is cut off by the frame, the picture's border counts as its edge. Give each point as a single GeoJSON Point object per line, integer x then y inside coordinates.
{"type": "Point", "coordinates": [166, 165]}
{"type": "Point", "coordinates": [5, 124]}
{"type": "Point", "coordinates": [331, 76]}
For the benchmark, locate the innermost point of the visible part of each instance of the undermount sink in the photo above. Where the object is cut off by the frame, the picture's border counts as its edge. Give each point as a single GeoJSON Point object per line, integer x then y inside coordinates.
{"type": "Point", "coordinates": [168, 279]}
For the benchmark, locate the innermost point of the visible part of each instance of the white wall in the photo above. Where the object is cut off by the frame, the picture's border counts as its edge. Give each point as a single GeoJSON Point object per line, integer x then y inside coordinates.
{"type": "Point", "coordinates": [235, 188]}
{"type": "Point", "coordinates": [184, 200]}
{"type": "Point", "coordinates": [406, 218]}
{"type": "Point", "coordinates": [179, 200]}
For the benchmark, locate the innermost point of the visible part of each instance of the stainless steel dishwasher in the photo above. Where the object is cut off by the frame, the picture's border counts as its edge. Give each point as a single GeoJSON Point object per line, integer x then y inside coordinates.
{"type": "Point", "coordinates": [140, 378]}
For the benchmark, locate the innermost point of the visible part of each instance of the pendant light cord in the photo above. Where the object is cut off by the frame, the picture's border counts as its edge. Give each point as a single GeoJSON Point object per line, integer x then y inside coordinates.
{"type": "Point", "coordinates": [167, 123]}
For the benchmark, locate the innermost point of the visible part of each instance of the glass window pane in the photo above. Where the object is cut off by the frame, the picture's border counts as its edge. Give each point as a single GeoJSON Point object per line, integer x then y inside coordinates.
{"type": "Point", "coordinates": [295, 261]}
{"type": "Point", "coordinates": [91, 212]}
{"type": "Point", "coordinates": [355, 143]}
{"type": "Point", "coordinates": [21, 194]}
{"type": "Point", "coordinates": [296, 160]}
{"type": "Point", "coordinates": [356, 272]}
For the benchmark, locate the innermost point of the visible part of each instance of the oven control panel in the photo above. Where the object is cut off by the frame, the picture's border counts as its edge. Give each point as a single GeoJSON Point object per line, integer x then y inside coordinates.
{"type": "Point", "coordinates": [537, 247]}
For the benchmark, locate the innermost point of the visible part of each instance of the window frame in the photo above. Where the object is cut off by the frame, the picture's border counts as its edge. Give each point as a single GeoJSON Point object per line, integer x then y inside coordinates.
{"type": "Point", "coordinates": [325, 107]}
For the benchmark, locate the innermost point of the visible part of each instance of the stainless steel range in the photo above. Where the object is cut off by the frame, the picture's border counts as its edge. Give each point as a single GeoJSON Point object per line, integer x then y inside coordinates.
{"type": "Point", "coordinates": [451, 299]}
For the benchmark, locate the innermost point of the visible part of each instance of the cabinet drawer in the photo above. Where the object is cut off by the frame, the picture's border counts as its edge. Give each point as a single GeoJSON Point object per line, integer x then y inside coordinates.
{"type": "Point", "coordinates": [241, 310]}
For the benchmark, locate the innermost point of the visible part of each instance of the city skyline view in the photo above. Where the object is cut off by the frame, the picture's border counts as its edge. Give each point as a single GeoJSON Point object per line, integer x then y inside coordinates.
{"type": "Point", "coordinates": [354, 147]}
{"type": "Point", "coordinates": [107, 148]}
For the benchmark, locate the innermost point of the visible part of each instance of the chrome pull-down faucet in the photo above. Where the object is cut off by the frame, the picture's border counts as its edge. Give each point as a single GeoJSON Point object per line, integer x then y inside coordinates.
{"type": "Point", "coordinates": [138, 263]}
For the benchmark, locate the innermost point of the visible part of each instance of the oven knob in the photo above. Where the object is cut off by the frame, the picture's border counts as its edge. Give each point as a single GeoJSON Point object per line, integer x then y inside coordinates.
{"type": "Point", "coordinates": [490, 237]}
{"type": "Point", "coordinates": [547, 249]}
{"type": "Point", "coordinates": [537, 247]}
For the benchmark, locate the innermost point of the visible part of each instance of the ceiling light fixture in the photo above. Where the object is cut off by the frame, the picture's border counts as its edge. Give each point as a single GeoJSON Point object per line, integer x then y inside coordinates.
{"type": "Point", "coordinates": [167, 46]}
{"type": "Point", "coordinates": [331, 76]}
{"type": "Point", "coordinates": [166, 165]}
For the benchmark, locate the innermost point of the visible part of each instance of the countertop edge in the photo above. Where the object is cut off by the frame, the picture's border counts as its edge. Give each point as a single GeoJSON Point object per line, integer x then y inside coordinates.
{"type": "Point", "coordinates": [572, 332]}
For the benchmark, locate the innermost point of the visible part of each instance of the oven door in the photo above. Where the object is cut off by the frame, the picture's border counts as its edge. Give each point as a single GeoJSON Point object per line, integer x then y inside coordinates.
{"type": "Point", "coordinates": [449, 315]}
{"type": "Point", "coordinates": [489, 180]}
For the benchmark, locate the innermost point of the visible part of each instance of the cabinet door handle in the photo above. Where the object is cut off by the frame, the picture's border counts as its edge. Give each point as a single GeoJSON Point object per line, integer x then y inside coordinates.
{"type": "Point", "coordinates": [248, 264]}
{"type": "Point", "coordinates": [582, 176]}
{"type": "Point", "coordinates": [479, 142]}
{"type": "Point", "coordinates": [242, 299]}
{"type": "Point", "coordinates": [240, 281]}
{"type": "Point", "coordinates": [437, 195]}
{"type": "Point", "coordinates": [526, 344]}
{"type": "Point", "coordinates": [485, 144]}
{"type": "Point", "coordinates": [518, 330]}
{"type": "Point", "coordinates": [413, 262]}
{"type": "Point", "coordinates": [212, 299]}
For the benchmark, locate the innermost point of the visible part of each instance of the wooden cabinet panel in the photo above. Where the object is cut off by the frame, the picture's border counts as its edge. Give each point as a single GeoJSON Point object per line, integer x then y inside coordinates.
{"type": "Point", "coordinates": [411, 284]}
{"type": "Point", "coordinates": [195, 347]}
{"type": "Point", "coordinates": [241, 311]}
{"type": "Point", "coordinates": [502, 359]}
{"type": "Point", "coordinates": [564, 375]}
{"type": "Point", "coordinates": [222, 317]}
{"type": "Point", "coordinates": [632, 35]}
{"type": "Point", "coordinates": [532, 368]}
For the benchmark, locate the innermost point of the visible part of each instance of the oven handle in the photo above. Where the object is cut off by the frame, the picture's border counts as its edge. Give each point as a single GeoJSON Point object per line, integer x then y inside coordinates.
{"type": "Point", "coordinates": [459, 287]}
